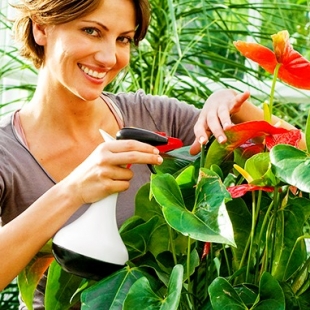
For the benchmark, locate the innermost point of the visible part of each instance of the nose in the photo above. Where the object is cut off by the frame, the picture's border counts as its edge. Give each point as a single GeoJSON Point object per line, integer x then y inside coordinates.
{"type": "Point", "coordinates": [106, 54]}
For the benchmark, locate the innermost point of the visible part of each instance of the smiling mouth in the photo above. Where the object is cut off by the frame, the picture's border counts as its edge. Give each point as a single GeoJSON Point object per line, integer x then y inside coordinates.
{"type": "Point", "coordinates": [93, 73]}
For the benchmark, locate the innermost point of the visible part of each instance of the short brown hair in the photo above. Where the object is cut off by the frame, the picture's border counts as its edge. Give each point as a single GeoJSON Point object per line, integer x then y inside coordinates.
{"type": "Point", "coordinates": [56, 12]}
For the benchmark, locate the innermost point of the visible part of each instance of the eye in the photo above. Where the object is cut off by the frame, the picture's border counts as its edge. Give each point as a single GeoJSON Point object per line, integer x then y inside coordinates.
{"type": "Point", "coordinates": [92, 31]}
{"type": "Point", "coordinates": [125, 40]}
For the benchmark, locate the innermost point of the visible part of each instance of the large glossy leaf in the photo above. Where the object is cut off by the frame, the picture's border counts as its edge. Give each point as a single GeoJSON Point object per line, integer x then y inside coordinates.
{"type": "Point", "coordinates": [217, 153]}
{"type": "Point", "coordinates": [110, 293]}
{"type": "Point", "coordinates": [211, 197]}
{"type": "Point", "coordinates": [289, 255]}
{"type": "Point", "coordinates": [271, 295]}
{"type": "Point", "coordinates": [141, 293]}
{"type": "Point", "coordinates": [60, 288]}
{"type": "Point", "coordinates": [209, 221]}
{"type": "Point", "coordinates": [291, 165]}
{"type": "Point", "coordinates": [259, 168]}
{"type": "Point", "coordinates": [241, 220]}
{"type": "Point", "coordinates": [29, 278]}
{"type": "Point", "coordinates": [224, 297]}
{"type": "Point", "coordinates": [307, 133]}
{"type": "Point", "coordinates": [175, 160]}
{"type": "Point", "coordinates": [147, 208]}
{"type": "Point", "coordinates": [138, 238]}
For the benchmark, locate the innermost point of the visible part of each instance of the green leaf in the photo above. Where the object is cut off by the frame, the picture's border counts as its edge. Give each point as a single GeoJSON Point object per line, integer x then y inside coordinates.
{"type": "Point", "coordinates": [247, 292]}
{"type": "Point", "coordinates": [289, 256]}
{"type": "Point", "coordinates": [307, 133]}
{"type": "Point", "coordinates": [217, 153]}
{"type": "Point", "coordinates": [206, 222]}
{"type": "Point", "coordinates": [141, 293]}
{"type": "Point", "coordinates": [259, 168]}
{"type": "Point", "coordinates": [138, 238]}
{"type": "Point", "coordinates": [224, 297]}
{"type": "Point", "coordinates": [241, 220]}
{"type": "Point", "coordinates": [271, 295]}
{"type": "Point", "coordinates": [291, 165]}
{"type": "Point", "coordinates": [175, 160]}
{"type": "Point", "coordinates": [146, 209]}
{"type": "Point", "coordinates": [60, 288]}
{"type": "Point", "coordinates": [211, 196]}
{"type": "Point", "coordinates": [30, 276]}
{"type": "Point", "coordinates": [110, 293]}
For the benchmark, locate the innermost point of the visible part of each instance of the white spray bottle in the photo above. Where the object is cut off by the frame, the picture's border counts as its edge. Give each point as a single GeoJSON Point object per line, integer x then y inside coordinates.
{"type": "Point", "coordinates": [91, 246]}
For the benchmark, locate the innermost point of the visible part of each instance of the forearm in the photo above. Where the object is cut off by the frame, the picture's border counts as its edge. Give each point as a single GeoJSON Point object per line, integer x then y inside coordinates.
{"type": "Point", "coordinates": [23, 237]}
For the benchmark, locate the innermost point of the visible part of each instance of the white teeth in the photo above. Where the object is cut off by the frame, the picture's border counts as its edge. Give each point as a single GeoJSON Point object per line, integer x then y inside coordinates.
{"type": "Point", "coordinates": [92, 73]}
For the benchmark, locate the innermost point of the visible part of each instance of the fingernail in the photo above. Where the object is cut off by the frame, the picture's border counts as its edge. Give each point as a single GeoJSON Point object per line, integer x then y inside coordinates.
{"type": "Point", "coordinates": [160, 159]}
{"type": "Point", "coordinates": [202, 140]}
{"type": "Point", "coordinates": [220, 139]}
{"type": "Point", "coordinates": [226, 125]}
{"type": "Point", "coordinates": [156, 151]}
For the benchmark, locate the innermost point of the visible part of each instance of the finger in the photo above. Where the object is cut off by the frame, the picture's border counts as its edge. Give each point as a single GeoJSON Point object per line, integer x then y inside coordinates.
{"type": "Point", "coordinates": [201, 130]}
{"type": "Point", "coordinates": [121, 154]}
{"type": "Point", "coordinates": [224, 118]}
{"type": "Point", "coordinates": [216, 127]}
{"type": "Point", "coordinates": [195, 148]}
{"type": "Point", "coordinates": [119, 146]}
{"type": "Point", "coordinates": [239, 100]}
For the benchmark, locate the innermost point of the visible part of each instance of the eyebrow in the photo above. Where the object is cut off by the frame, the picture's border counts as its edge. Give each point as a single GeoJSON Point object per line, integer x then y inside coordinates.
{"type": "Point", "coordinates": [105, 27]}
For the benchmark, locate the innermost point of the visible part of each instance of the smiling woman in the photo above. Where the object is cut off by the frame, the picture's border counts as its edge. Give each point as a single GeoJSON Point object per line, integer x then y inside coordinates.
{"type": "Point", "coordinates": [54, 163]}
{"type": "Point", "coordinates": [54, 159]}
{"type": "Point", "coordinates": [59, 12]}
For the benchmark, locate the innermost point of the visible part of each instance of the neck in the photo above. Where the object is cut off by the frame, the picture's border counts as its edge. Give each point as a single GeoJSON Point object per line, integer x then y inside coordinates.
{"type": "Point", "coordinates": [58, 108]}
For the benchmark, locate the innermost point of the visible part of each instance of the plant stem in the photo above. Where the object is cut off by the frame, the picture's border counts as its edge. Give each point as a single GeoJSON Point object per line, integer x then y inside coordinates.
{"type": "Point", "coordinates": [299, 274]}
{"type": "Point", "coordinates": [251, 236]}
{"type": "Point", "coordinates": [272, 91]}
{"type": "Point", "coordinates": [260, 238]}
{"type": "Point", "coordinates": [274, 228]}
{"type": "Point", "coordinates": [227, 261]}
{"type": "Point", "coordinates": [172, 245]}
{"type": "Point", "coordinates": [202, 156]}
{"type": "Point", "coordinates": [188, 272]}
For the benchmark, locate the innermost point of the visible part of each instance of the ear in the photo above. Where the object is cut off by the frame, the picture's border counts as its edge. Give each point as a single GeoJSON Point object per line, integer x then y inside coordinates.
{"type": "Point", "coordinates": [39, 33]}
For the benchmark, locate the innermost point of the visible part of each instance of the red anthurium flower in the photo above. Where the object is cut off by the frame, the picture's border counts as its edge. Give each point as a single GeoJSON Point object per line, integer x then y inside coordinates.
{"type": "Point", "coordinates": [294, 70]}
{"type": "Point", "coordinates": [292, 137]}
{"type": "Point", "coordinates": [243, 132]}
{"type": "Point", "coordinates": [173, 143]}
{"type": "Point", "coordinates": [240, 190]}
{"type": "Point", "coordinates": [206, 250]}
{"type": "Point", "coordinates": [249, 149]}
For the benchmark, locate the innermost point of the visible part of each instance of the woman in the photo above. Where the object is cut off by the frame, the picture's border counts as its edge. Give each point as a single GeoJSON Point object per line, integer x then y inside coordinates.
{"type": "Point", "coordinates": [53, 159]}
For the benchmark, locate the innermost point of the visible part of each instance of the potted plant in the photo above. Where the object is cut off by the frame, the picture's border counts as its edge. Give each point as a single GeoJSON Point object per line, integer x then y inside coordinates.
{"type": "Point", "coordinates": [224, 230]}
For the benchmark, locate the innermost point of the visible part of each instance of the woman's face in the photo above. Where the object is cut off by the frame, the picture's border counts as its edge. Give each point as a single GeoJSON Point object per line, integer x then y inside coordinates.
{"type": "Point", "coordinates": [85, 55]}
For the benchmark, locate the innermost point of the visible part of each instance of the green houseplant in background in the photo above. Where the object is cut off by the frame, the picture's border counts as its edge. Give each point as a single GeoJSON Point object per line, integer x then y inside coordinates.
{"type": "Point", "coordinates": [186, 41]}
{"type": "Point", "coordinates": [223, 229]}
{"type": "Point", "coordinates": [231, 225]}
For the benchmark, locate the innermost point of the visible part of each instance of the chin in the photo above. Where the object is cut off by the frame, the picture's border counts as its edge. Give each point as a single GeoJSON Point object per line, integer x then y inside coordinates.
{"type": "Point", "coordinates": [90, 96]}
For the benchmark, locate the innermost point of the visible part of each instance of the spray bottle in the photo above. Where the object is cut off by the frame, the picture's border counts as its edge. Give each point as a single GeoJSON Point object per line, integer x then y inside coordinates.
{"type": "Point", "coordinates": [90, 246]}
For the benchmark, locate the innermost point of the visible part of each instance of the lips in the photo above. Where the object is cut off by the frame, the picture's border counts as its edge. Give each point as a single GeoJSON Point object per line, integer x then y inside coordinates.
{"type": "Point", "coordinates": [93, 73]}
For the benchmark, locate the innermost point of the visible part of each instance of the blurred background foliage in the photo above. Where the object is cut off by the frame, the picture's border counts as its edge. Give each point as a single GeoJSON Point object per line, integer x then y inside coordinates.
{"type": "Point", "coordinates": [188, 53]}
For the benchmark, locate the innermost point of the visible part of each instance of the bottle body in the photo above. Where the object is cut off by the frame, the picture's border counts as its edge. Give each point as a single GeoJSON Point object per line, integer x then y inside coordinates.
{"type": "Point", "coordinates": [91, 246]}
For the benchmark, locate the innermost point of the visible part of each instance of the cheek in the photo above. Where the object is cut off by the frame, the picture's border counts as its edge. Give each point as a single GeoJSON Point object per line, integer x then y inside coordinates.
{"type": "Point", "coordinates": [123, 58]}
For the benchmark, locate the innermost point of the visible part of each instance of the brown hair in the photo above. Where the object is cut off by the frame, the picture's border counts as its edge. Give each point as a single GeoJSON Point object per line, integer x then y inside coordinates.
{"type": "Point", "coordinates": [56, 12]}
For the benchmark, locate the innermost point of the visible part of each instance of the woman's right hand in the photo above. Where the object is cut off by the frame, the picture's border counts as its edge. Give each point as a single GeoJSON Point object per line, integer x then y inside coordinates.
{"type": "Point", "coordinates": [104, 171]}
{"type": "Point", "coordinates": [215, 116]}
